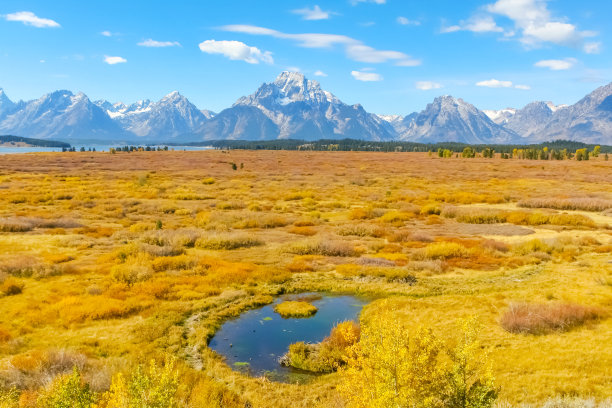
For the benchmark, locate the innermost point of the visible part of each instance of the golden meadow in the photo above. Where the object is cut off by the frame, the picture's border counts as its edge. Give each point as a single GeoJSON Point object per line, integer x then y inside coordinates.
{"type": "Point", "coordinates": [116, 269]}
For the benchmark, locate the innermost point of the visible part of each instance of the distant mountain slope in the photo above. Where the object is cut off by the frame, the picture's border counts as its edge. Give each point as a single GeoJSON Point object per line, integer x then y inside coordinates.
{"type": "Point", "coordinates": [449, 119]}
{"type": "Point", "coordinates": [298, 108]}
{"type": "Point", "coordinates": [294, 107]}
{"type": "Point", "coordinates": [589, 120]}
{"type": "Point", "coordinates": [61, 115]}
{"type": "Point", "coordinates": [171, 117]}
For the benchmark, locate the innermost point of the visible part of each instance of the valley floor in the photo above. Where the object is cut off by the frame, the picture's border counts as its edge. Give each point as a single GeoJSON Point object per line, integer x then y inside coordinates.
{"type": "Point", "coordinates": [110, 260]}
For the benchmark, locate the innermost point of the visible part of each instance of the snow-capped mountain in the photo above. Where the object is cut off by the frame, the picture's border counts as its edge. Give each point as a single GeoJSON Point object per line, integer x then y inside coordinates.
{"type": "Point", "coordinates": [589, 120]}
{"type": "Point", "coordinates": [171, 117]}
{"type": "Point", "coordinates": [501, 116]}
{"type": "Point", "coordinates": [61, 115]}
{"type": "Point", "coordinates": [449, 119]}
{"type": "Point", "coordinates": [295, 108]}
{"type": "Point", "coordinates": [6, 105]}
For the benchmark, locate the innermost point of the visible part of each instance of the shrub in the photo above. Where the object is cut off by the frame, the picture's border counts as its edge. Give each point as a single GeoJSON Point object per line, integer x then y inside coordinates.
{"type": "Point", "coordinates": [391, 366]}
{"type": "Point", "coordinates": [151, 386]}
{"type": "Point", "coordinates": [305, 231]}
{"type": "Point", "coordinates": [11, 287]}
{"type": "Point", "coordinates": [131, 273]}
{"type": "Point", "coordinates": [327, 356]}
{"type": "Point", "coordinates": [533, 318]}
{"type": "Point", "coordinates": [228, 242]}
{"type": "Point", "coordinates": [325, 248]}
{"type": "Point", "coordinates": [293, 309]}
{"type": "Point", "coordinates": [67, 391]}
{"type": "Point", "coordinates": [445, 250]}
{"type": "Point", "coordinates": [361, 214]}
{"type": "Point", "coordinates": [15, 225]}
{"type": "Point", "coordinates": [583, 204]}
{"type": "Point", "coordinates": [174, 263]}
{"type": "Point", "coordinates": [431, 208]}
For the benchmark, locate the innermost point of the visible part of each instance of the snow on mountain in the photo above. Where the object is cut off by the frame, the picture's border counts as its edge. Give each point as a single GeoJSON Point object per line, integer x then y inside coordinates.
{"type": "Point", "coordinates": [6, 105]}
{"type": "Point", "coordinates": [500, 116]}
{"type": "Point", "coordinates": [298, 108]}
{"type": "Point", "coordinates": [589, 120]}
{"type": "Point", "coordinates": [61, 115]}
{"type": "Point", "coordinates": [449, 119]}
{"type": "Point", "coordinates": [171, 117]}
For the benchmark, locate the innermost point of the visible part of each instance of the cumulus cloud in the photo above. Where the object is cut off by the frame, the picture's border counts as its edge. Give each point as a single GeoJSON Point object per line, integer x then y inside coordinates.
{"type": "Point", "coordinates": [354, 49]}
{"type": "Point", "coordinates": [404, 21]}
{"type": "Point", "coordinates": [477, 24]}
{"type": "Point", "coordinates": [536, 23]}
{"type": "Point", "coordinates": [158, 44]}
{"type": "Point", "coordinates": [427, 85]}
{"type": "Point", "coordinates": [366, 76]}
{"type": "Point", "coordinates": [314, 13]}
{"type": "Point", "coordinates": [557, 65]}
{"type": "Point", "coordinates": [236, 50]}
{"type": "Point", "coordinates": [495, 83]}
{"type": "Point", "coordinates": [114, 60]}
{"type": "Point", "coordinates": [31, 19]}
{"type": "Point", "coordinates": [320, 73]}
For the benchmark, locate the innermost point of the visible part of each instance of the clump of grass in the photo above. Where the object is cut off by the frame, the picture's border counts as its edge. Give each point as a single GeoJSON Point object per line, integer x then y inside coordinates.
{"type": "Point", "coordinates": [531, 318]}
{"type": "Point", "coordinates": [325, 248]}
{"type": "Point", "coordinates": [327, 356]}
{"type": "Point", "coordinates": [443, 250]}
{"type": "Point", "coordinates": [228, 242]}
{"type": "Point", "coordinates": [15, 225]}
{"type": "Point", "coordinates": [295, 309]}
{"type": "Point", "coordinates": [360, 230]}
{"type": "Point", "coordinates": [582, 204]}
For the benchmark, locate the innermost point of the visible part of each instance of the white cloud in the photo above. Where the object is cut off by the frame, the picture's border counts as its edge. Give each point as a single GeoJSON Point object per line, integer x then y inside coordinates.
{"type": "Point", "coordinates": [450, 29]}
{"type": "Point", "coordinates": [557, 65]}
{"type": "Point", "coordinates": [427, 85]}
{"type": "Point", "coordinates": [592, 48]}
{"type": "Point", "coordinates": [236, 50]}
{"type": "Point", "coordinates": [536, 23]}
{"type": "Point", "coordinates": [366, 76]}
{"type": "Point", "coordinates": [479, 24]}
{"type": "Point", "coordinates": [320, 73]}
{"type": "Point", "coordinates": [355, 2]}
{"type": "Point", "coordinates": [106, 33]}
{"type": "Point", "coordinates": [483, 24]}
{"type": "Point", "coordinates": [313, 14]}
{"type": "Point", "coordinates": [114, 60]}
{"type": "Point", "coordinates": [355, 49]}
{"type": "Point", "coordinates": [29, 18]}
{"type": "Point", "coordinates": [157, 44]}
{"type": "Point", "coordinates": [494, 83]}
{"type": "Point", "coordinates": [404, 21]}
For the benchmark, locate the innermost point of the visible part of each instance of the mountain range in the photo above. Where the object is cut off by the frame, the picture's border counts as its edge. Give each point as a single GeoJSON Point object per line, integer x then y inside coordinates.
{"type": "Point", "coordinates": [295, 107]}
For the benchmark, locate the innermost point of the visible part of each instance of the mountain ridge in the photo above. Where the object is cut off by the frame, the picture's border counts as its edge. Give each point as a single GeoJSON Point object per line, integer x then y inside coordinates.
{"type": "Point", "coordinates": [293, 106]}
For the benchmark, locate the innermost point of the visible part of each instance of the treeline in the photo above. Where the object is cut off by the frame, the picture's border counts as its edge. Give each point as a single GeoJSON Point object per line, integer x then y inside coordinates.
{"type": "Point", "coordinates": [33, 142]}
{"type": "Point", "coordinates": [370, 146]}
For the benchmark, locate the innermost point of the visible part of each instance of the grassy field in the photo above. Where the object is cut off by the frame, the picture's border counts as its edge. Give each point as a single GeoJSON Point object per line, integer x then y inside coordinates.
{"type": "Point", "coordinates": [110, 260]}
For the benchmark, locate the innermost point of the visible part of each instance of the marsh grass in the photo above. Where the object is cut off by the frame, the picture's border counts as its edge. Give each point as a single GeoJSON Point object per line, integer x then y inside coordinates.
{"type": "Point", "coordinates": [295, 309]}
{"type": "Point", "coordinates": [530, 318]}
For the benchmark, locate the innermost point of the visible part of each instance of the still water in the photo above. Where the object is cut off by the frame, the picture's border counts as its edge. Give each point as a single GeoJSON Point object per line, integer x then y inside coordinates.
{"type": "Point", "coordinates": [254, 341]}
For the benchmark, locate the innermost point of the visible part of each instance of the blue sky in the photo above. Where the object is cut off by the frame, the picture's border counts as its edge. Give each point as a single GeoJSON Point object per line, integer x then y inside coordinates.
{"type": "Point", "coordinates": [391, 56]}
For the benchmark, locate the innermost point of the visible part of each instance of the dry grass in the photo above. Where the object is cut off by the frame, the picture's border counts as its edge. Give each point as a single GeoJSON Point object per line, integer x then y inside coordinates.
{"type": "Point", "coordinates": [582, 204]}
{"type": "Point", "coordinates": [295, 309]}
{"type": "Point", "coordinates": [129, 257]}
{"type": "Point", "coordinates": [547, 318]}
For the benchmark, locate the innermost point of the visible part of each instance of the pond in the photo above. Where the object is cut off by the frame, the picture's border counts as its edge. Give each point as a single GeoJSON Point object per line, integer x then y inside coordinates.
{"type": "Point", "coordinates": [254, 341]}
